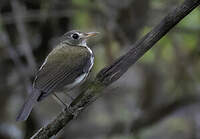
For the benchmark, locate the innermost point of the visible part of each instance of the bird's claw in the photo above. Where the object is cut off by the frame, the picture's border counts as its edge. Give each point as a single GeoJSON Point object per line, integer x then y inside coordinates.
{"type": "Point", "coordinates": [74, 112]}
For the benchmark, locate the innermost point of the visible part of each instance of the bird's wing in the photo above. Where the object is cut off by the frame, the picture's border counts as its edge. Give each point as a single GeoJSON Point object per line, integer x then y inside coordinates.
{"type": "Point", "coordinates": [62, 68]}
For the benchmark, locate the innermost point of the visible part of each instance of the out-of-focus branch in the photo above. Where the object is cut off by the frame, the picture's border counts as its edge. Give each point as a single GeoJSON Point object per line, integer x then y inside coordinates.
{"type": "Point", "coordinates": [39, 15]}
{"type": "Point", "coordinates": [36, 15]}
{"type": "Point", "coordinates": [153, 115]}
{"type": "Point", "coordinates": [15, 58]}
{"type": "Point", "coordinates": [113, 72]}
{"type": "Point", "coordinates": [25, 46]}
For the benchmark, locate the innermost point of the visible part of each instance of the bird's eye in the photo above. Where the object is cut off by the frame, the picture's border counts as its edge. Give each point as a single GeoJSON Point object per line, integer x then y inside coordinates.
{"type": "Point", "coordinates": [75, 36]}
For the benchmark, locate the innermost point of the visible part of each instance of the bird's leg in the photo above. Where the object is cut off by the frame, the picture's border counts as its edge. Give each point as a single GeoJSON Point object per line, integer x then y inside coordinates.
{"type": "Point", "coordinates": [59, 100]}
{"type": "Point", "coordinates": [67, 106]}
{"type": "Point", "coordinates": [68, 95]}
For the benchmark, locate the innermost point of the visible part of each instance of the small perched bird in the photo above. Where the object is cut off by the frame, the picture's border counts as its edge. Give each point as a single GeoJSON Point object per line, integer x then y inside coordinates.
{"type": "Point", "coordinates": [65, 67]}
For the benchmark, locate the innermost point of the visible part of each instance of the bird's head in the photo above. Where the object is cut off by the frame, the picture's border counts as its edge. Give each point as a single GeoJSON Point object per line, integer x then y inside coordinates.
{"type": "Point", "coordinates": [77, 38]}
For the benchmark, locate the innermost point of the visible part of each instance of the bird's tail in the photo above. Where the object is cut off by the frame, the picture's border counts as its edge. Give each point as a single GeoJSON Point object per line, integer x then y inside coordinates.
{"type": "Point", "coordinates": [28, 105]}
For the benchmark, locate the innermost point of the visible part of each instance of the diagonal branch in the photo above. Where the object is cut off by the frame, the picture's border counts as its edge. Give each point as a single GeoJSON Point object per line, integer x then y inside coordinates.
{"type": "Point", "coordinates": [154, 115]}
{"type": "Point", "coordinates": [113, 72]}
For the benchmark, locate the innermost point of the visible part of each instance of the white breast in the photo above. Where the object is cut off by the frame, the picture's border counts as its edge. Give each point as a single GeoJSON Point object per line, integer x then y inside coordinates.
{"type": "Point", "coordinates": [91, 58]}
{"type": "Point", "coordinates": [84, 44]}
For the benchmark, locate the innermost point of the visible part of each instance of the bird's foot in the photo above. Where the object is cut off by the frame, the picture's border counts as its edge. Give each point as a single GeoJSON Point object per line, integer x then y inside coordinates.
{"type": "Point", "coordinates": [74, 112]}
{"type": "Point", "coordinates": [68, 95]}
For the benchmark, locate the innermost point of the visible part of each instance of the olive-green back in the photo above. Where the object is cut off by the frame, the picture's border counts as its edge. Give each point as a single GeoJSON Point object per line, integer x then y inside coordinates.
{"type": "Point", "coordinates": [61, 67]}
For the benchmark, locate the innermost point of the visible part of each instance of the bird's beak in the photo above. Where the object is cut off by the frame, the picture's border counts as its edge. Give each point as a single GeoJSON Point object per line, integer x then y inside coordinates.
{"type": "Point", "coordinates": [91, 34]}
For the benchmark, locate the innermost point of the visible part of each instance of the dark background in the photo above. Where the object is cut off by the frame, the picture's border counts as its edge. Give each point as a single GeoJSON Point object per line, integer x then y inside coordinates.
{"type": "Point", "coordinates": [157, 98]}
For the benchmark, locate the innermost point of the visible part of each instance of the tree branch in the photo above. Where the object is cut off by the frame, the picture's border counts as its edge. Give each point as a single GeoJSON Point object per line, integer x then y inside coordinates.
{"type": "Point", "coordinates": [25, 46]}
{"type": "Point", "coordinates": [153, 115]}
{"type": "Point", "coordinates": [113, 72]}
{"type": "Point", "coordinates": [14, 56]}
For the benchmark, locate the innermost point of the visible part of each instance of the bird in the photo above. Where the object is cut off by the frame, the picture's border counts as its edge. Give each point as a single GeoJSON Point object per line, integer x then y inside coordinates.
{"type": "Point", "coordinates": [65, 67]}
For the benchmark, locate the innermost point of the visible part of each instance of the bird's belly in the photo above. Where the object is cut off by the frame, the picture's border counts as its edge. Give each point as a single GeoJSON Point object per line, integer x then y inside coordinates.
{"type": "Point", "coordinates": [77, 81]}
